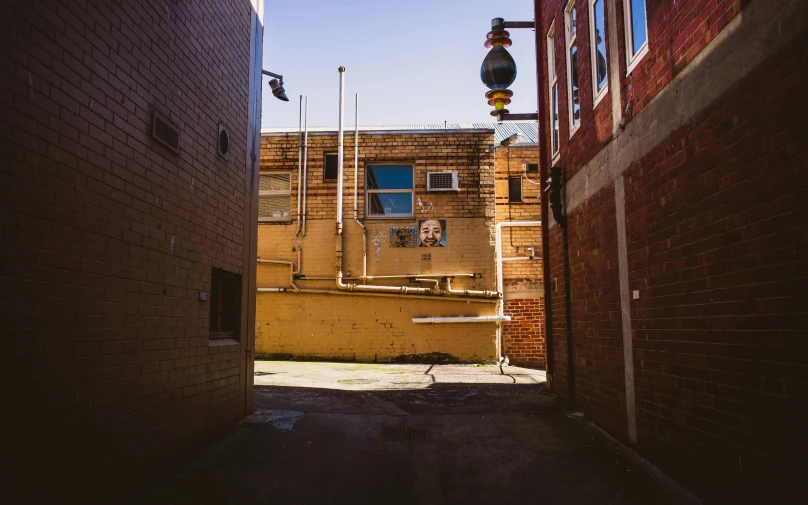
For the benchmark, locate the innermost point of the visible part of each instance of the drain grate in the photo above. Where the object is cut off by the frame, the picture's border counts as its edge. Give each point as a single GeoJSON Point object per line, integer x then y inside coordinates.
{"type": "Point", "coordinates": [405, 432]}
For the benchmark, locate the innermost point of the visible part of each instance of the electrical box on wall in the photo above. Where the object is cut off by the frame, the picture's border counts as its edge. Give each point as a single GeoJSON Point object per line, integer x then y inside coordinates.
{"type": "Point", "coordinates": [441, 181]}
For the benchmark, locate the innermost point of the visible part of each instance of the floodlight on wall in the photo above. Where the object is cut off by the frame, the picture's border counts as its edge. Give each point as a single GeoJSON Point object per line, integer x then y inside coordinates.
{"type": "Point", "coordinates": [276, 85]}
{"type": "Point", "coordinates": [498, 70]}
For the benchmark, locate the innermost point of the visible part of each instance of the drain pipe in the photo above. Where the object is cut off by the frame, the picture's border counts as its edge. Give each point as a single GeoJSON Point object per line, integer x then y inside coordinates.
{"type": "Point", "coordinates": [305, 163]}
{"type": "Point", "coordinates": [356, 193]}
{"type": "Point", "coordinates": [299, 164]}
{"type": "Point", "coordinates": [340, 176]}
{"type": "Point", "coordinates": [501, 305]}
{"type": "Point", "coordinates": [470, 292]}
{"type": "Point", "coordinates": [292, 270]}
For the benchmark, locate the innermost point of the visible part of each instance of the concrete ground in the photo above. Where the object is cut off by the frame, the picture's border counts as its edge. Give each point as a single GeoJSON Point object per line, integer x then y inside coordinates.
{"type": "Point", "coordinates": [342, 433]}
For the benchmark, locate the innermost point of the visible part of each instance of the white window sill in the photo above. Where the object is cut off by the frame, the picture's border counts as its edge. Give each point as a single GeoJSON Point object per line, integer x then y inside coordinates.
{"type": "Point", "coordinates": [599, 97]}
{"type": "Point", "coordinates": [575, 128]}
{"type": "Point", "coordinates": [637, 59]}
{"type": "Point", "coordinates": [222, 342]}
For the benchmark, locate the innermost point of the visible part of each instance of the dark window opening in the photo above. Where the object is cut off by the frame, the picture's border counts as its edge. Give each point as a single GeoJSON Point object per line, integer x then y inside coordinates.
{"type": "Point", "coordinates": [225, 304]}
{"type": "Point", "coordinates": [330, 170]}
{"type": "Point", "coordinates": [515, 189]}
{"type": "Point", "coordinates": [532, 167]}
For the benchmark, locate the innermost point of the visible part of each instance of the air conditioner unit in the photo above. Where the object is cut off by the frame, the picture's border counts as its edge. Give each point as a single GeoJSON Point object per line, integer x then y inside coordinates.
{"type": "Point", "coordinates": [441, 181]}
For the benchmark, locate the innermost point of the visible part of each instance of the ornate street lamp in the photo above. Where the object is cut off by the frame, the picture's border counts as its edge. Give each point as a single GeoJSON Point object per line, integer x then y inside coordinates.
{"type": "Point", "coordinates": [498, 70]}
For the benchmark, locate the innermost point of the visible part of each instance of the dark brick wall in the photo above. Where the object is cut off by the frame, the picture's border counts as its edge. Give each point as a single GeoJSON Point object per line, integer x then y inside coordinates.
{"type": "Point", "coordinates": [108, 237]}
{"type": "Point", "coordinates": [595, 301]}
{"type": "Point", "coordinates": [718, 247]}
{"type": "Point", "coordinates": [717, 244]}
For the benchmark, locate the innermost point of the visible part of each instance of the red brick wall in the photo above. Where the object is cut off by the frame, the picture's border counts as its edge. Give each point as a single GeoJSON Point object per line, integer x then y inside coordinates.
{"type": "Point", "coordinates": [718, 248]}
{"type": "Point", "coordinates": [523, 335]}
{"type": "Point", "coordinates": [108, 237]}
{"type": "Point", "coordinates": [596, 323]}
{"type": "Point", "coordinates": [717, 244]}
{"type": "Point", "coordinates": [677, 32]}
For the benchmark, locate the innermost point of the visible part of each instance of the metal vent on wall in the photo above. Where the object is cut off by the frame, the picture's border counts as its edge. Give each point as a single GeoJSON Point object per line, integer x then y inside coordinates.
{"type": "Point", "coordinates": [441, 181]}
{"type": "Point", "coordinates": [224, 141]}
{"type": "Point", "coordinates": [165, 132]}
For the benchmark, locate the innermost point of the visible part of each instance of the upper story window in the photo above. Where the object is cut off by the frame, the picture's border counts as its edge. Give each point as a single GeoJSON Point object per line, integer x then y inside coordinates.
{"type": "Point", "coordinates": [515, 189]}
{"type": "Point", "coordinates": [389, 191]}
{"type": "Point", "coordinates": [552, 84]}
{"type": "Point", "coordinates": [573, 94]}
{"type": "Point", "coordinates": [330, 167]}
{"type": "Point", "coordinates": [597, 24]}
{"type": "Point", "coordinates": [274, 197]}
{"type": "Point", "coordinates": [636, 32]}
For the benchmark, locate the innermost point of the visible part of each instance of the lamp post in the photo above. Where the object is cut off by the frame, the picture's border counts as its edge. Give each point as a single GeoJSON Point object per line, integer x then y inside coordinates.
{"type": "Point", "coordinates": [498, 70]}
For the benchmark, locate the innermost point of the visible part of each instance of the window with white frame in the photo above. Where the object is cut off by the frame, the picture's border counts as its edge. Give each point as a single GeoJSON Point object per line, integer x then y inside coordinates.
{"type": "Point", "coordinates": [573, 93]}
{"type": "Point", "coordinates": [274, 197]}
{"type": "Point", "coordinates": [636, 32]}
{"type": "Point", "coordinates": [552, 88]}
{"type": "Point", "coordinates": [389, 191]}
{"type": "Point", "coordinates": [597, 29]}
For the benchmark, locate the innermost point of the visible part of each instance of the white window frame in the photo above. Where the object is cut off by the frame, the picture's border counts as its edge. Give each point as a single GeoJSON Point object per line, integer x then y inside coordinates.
{"type": "Point", "coordinates": [593, 45]}
{"type": "Point", "coordinates": [634, 59]}
{"type": "Point", "coordinates": [281, 219]}
{"type": "Point", "coordinates": [552, 82]}
{"type": "Point", "coordinates": [369, 192]}
{"type": "Point", "coordinates": [571, 40]}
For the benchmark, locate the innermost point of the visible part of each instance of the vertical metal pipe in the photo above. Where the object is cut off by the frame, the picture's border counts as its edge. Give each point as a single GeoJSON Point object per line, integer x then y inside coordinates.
{"type": "Point", "coordinates": [356, 160]}
{"type": "Point", "coordinates": [340, 147]}
{"type": "Point", "coordinates": [356, 195]}
{"type": "Point", "coordinates": [299, 164]}
{"type": "Point", "coordinates": [305, 163]}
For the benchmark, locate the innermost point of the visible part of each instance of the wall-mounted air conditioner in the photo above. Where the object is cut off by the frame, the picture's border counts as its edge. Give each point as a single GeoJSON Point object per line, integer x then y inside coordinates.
{"type": "Point", "coordinates": [441, 181]}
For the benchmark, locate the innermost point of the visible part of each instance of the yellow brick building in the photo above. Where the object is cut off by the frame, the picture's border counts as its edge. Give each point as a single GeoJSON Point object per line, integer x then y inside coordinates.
{"type": "Point", "coordinates": [401, 208]}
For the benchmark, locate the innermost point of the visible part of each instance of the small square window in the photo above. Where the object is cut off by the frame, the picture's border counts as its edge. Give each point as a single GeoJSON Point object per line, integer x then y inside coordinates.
{"type": "Point", "coordinates": [532, 167]}
{"type": "Point", "coordinates": [225, 304]}
{"type": "Point", "coordinates": [515, 189]}
{"type": "Point", "coordinates": [331, 167]}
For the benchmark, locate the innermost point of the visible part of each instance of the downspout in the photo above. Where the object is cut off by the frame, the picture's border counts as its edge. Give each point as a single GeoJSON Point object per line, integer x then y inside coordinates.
{"type": "Point", "coordinates": [305, 163]}
{"type": "Point", "coordinates": [500, 289]}
{"type": "Point", "coordinates": [543, 174]}
{"type": "Point", "coordinates": [299, 165]}
{"type": "Point", "coordinates": [356, 193]}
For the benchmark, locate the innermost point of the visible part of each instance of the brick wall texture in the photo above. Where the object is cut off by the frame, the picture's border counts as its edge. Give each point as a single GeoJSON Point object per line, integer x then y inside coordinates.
{"type": "Point", "coordinates": [523, 336]}
{"type": "Point", "coordinates": [717, 250]}
{"type": "Point", "coordinates": [108, 237]}
{"type": "Point", "coordinates": [331, 326]}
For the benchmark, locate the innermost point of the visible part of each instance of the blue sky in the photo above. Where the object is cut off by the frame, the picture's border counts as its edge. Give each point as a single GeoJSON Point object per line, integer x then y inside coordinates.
{"type": "Point", "coordinates": [411, 61]}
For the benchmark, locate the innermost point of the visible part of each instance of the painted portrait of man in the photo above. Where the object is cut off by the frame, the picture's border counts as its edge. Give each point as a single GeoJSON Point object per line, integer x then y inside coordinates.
{"type": "Point", "coordinates": [432, 233]}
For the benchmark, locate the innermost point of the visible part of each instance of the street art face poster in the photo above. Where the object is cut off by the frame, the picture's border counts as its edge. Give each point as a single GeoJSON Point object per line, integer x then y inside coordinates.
{"type": "Point", "coordinates": [432, 233]}
{"type": "Point", "coordinates": [403, 236]}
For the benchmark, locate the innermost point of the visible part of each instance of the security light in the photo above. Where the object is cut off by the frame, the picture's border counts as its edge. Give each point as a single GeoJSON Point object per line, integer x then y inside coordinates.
{"type": "Point", "coordinates": [277, 86]}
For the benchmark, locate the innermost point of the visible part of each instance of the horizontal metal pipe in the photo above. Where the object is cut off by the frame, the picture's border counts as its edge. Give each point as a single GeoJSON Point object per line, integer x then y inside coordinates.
{"type": "Point", "coordinates": [462, 319]}
{"type": "Point", "coordinates": [469, 292]}
{"type": "Point", "coordinates": [371, 277]}
{"type": "Point", "coordinates": [383, 295]}
{"type": "Point", "coordinates": [521, 258]}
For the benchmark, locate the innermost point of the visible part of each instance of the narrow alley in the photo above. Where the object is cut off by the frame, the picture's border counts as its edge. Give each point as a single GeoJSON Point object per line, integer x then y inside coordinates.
{"type": "Point", "coordinates": [409, 434]}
